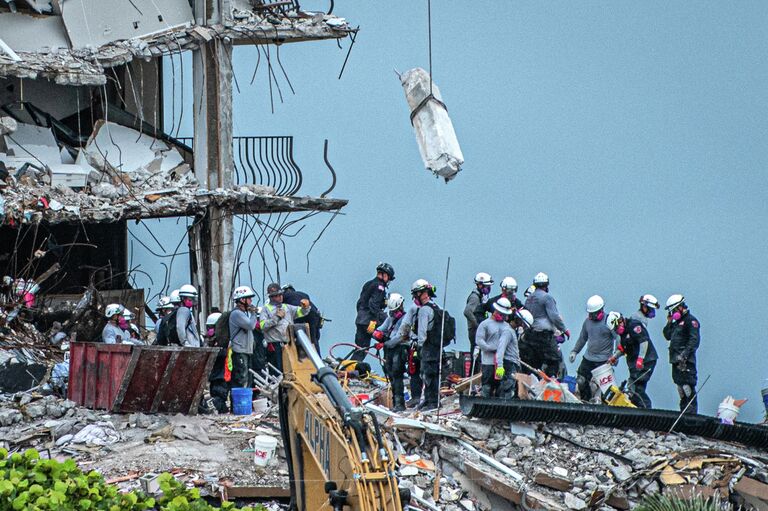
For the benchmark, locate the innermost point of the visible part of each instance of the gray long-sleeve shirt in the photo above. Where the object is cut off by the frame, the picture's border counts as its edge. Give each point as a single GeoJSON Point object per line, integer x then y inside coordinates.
{"type": "Point", "coordinates": [186, 328]}
{"type": "Point", "coordinates": [545, 313]}
{"type": "Point", "coordinates": [405, 330]}
{"type": "Point", "coordinates": [113, 334]}
{"type": "Point", "coordinates": [273, 326]}
{"type": "Point", "coordinates": [492, 339]}
{"type": "Point", "coordinates": [642, 318]}
{"type": "Point", "coordinates": [599, 339]}
{"type": "Point", "coordinates": [474, 300]}
{"type": "Point", "coordinates": [241, 325]}
{"type": "Point", "coordinates": [391, 329]}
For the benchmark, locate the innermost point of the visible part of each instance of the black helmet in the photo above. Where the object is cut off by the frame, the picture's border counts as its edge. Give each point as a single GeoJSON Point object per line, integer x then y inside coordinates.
{"type": "Point", "coordinates": [386, 268]}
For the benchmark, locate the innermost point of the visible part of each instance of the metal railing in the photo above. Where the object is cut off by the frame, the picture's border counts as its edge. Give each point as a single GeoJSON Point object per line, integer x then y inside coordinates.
{"type": "Point", "coordinates": [264, 161]}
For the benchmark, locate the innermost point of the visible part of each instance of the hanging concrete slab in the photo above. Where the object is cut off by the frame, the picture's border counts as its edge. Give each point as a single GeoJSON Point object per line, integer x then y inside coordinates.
{"type": "Point", "coordinates": [93, 23]}
{"type": "Point", "coordinates": [33, 33]}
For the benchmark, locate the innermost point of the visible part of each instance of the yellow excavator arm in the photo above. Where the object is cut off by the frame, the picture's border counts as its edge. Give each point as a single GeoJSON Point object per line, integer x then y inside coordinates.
{"type": "Point", "coordinates": [337, 456]}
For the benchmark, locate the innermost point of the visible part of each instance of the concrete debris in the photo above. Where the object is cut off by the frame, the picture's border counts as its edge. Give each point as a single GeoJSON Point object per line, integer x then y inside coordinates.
{"type": "Point", "coordinates": [574, 502]}
{"type": "Point", "coordinates": [437, 140]}
{"type": "Point", "coordinates": [8, 125]}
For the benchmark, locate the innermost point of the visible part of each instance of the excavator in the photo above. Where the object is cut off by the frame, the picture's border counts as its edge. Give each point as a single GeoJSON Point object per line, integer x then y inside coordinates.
{"type": "Point", "coordinates": [337, 455]}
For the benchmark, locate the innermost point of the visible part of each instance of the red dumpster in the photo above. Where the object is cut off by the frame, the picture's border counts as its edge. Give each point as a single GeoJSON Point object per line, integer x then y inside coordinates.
{"type": "Point", "coordinates": [128, 378]}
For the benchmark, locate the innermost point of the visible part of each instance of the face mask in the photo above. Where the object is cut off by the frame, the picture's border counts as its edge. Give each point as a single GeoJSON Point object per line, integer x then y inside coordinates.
{"type": "Point", "coordinates": [188, 303]}
{"type": "Point", "coordinates": [676, 316]}
{"type": "Point", "coordinates": [122, 323]}
{"type": "Point", "coordinates": [209, 332]}
{"type": "Point", "coordinates": [497, 316]}
{"type": "Point", "coordinates": [651, 313]}
{"type": "Point", "coordinates": [398, 314]}
{"type": "Point", "coordinates": [620, 329]}
{"type": "Point", "coordinates": [417, 302]}
{"type": "Point", "coordinates": [597, 316]}
{"type": "Point", "coordinates": [486, 290]}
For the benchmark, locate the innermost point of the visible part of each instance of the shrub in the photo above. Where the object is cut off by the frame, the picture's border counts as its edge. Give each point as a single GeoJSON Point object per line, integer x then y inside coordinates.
{"type": "Point", "coordinates": [28, 482]}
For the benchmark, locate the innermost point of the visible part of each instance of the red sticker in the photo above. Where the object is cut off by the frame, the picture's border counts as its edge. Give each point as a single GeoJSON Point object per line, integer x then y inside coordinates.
{"type": "Point", "coordinates": [638, 329]}
{"type": "Point", "coordinates": [695, 324]}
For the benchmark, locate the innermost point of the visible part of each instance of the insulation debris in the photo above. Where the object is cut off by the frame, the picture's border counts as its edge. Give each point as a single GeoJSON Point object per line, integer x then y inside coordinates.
{"type": "Point", "coordinates": [435, 135]}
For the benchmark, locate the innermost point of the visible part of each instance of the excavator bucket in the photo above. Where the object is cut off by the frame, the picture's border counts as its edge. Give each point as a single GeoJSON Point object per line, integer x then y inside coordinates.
{"type": "Point", "coordinates": [613, 417]}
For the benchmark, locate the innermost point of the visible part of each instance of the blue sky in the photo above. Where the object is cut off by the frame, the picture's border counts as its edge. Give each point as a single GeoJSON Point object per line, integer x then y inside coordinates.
{"type": "Point", "coordinates": [618, 146]}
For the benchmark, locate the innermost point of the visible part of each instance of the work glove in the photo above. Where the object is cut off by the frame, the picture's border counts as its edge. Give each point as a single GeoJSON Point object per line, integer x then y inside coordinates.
{"type": "Point", "coordinates": [378, 335]}
{"type": "Point", "coordinates": [572, 357]}
{"type": "Point", "coordinates": [304, 303]}
{"type": "Point", "coordinates": [639, 363]}
{"type": "Point", "coordinates": [371, 327]}
{"type": "Point", "coordinates": [613, 361]}
{"type": "Point", "coordinates": [560, 339]}
{"type": "Point", "coordinates": [680, 362]}
{"type": "Point", "coordinates": [567, 334]}
{"type": "Point", "coordinates": [500, 372]}
{"type": "Point", "coordinates": [476, 353]}
{"type": "Point", "coordinates": [280, 313]}
{"type": "Point", "coordinates": [379, 345]}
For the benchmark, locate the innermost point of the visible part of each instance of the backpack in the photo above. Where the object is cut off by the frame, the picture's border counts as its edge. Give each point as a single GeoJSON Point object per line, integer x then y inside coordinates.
{"type": "Point", "coordinates": [168, 334]}
{"type": "Point", "coordinates": [221, 337]}
{"type": "Point", "coordinates": [443, 323]}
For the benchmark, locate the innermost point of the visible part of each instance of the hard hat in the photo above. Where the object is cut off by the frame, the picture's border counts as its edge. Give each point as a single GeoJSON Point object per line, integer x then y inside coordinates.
{"type": "Point", "coordinates": [243, 292]}
{"type": "Point", "coordinates": [509, 283]}
{"type": "Point", "coordinates": [174, 297]}
{"type": "Point", "coordinates": [274, 289]}
{"type": "Point", "coordinates": [287, 287]}
{"type": "Point", "coordinates": [395, 301]}
{"type": "Point", "coordinates": [128, 315]}
{"type": "Point", "coordinates": [529, 291]}
{"type": "Point", "coordinates": [541, 278]}
{"type": "Point", "coordinates": [188, 291]}
{"type": "Point", "coordinates": [503, 305]}
{"type": "Point", "coordinates": [386, 268]}
{"type": "Point", "coordinates": [483, 278]}
{"type": "Point", "coordinates": [112, 309]}
{"type": "Point", "coordinates": [649, 301]}
{"type": "Point", "coordinates": [613, 319]}
{"type": "Point", "coordinates": [673, 301]}
{"type": "Point", "coordinates": [212, 318]}
{"type": "Point", "coordinates": [595, 303]}
{"type": "Point", "coordinates": [526, 316]}
{"type": "Point", "coordinates": [164, 303]}
{"type": "Point", "coordinates": [135, 329]}
{"type": "Point", "coordinates": [419, 286]}
{"type": "Point", "coordinates": [7, 280]}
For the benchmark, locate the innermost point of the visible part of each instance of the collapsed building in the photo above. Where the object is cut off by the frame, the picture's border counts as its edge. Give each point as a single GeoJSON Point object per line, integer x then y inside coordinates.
{"type": "Point", "coordinates": [84, 150]}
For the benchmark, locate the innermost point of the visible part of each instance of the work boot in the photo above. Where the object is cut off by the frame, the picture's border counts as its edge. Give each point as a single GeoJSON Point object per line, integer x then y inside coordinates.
{"type": "Point", "coordinates": [413, 402]}
{"type": "Point", "coordinates": [399, 405]}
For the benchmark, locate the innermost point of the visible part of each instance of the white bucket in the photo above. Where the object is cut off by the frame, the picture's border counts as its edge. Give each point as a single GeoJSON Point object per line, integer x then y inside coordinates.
{"type": "Point", "coordinates": [603, 375]}
{"type": "Point", "coordinates": [263, 449]}
{"type": "Point", "coordinates": [727, 412]}
{"type": "Point", "coordinates": [260, 405]}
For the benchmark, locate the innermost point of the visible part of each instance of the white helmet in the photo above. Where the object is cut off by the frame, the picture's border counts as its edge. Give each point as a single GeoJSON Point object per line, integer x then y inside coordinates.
{"type": "Point", "coordinates": [128, 315]}
{"type": "Point", "coordinates": [395, 301]}
{"type": "Point", "coordinates": [420, 285]}
{"type": "Point", "coordinates": [673, 301]}
{"type": "Point", "coordinates": [595, 303]}
{"type": "Point", "coordinates": [649, 301]}
{"type": "Point", "coordinates": [174, 297]}
{"type": "Point", "coordinates": [483, 278]}
{"type": "Point", "coordinates": [541, 278]}
{"type": "Point", "coordinates": [530, 290]}
{"type": "Point", "coordinates": [526, 316]}
{"type": "Point", "coordinates": [164, 303]}
{"type": "Point", "coordinates": [212, 318]}
{"type": "Point", "coordinates": [135, 329]}
{"type": "Point", "coordinates": [112, 309]}
{"type": "Point", "coordinates": [243, 292]}
{"type": "Point", "coordinates": [503, 305]}
{"type": "Point", "coordinates": [188, 291]}
{"type": "Point", "coordinates": [509, 284]}
{"type": "Point", "coordinates": [613, 319]}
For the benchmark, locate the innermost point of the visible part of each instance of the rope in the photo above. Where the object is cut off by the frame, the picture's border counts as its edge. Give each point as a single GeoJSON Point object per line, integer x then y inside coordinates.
{"type": "Point", "coordinates": [429, 31]}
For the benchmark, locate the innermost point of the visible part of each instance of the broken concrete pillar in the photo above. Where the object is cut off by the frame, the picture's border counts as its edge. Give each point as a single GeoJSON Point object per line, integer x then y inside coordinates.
{"type": "Point", "coordinates": [7, 125]}
{"type": "Point", "coordinates": [434, 130]}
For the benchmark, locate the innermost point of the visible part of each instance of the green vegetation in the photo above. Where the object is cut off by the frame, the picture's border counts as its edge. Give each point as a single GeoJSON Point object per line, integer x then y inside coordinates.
{"type": "Point", "coordinates": [30, 483]}
{"type": "Point", "coordinates": [659, 502]}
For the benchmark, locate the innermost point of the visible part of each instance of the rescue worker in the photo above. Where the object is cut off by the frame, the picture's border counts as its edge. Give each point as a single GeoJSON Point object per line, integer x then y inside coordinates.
{"type": "Point", "coordinates": [508, 290]}
{"type": "Point", "coordinates": [314, 319]}
{"type": "Point", "coordinates": [636, 345]}
{"type": "Point", "coordinates": [242, 322]}
{"type": "Point", "coordinates": [682, 332]}
{"type": "Point", "coordinates": [473, 309]}
{"type": "Point", "coordinates": [134, 334]}
{"type": "Point", "coordinates": [529, 291]}
{"type": "Point", "coordinates": [429, 345]}
{"type": "Point", "coordinates": [370, 308]}
{"type": "Point", "coordinates": [540, 349]}
{"type": "Point", "coordinates": [112, 333]}
{"type": "Point", "coordinates": [186, 326]}
{"type": "Point", "coordinates": [599, 339]}
{"type": "Point", "coordinates": [648, 306]}
{"type": "Point", "coordinates": [218, 385]}
{"type": "Point", "coordinates": [413, 363]}
{"type": "Point", "coordinates": [274, 320]}
{"type": "Point", "coordinates": [493, 336]}
{"type": "Point", "coordinates": [388, 337]}
{"type": "Point", "coordinates": [164, 306]}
